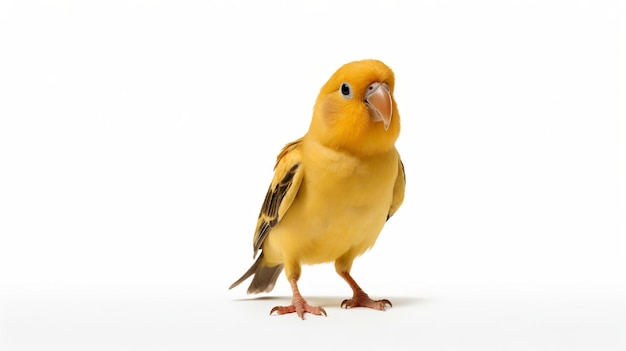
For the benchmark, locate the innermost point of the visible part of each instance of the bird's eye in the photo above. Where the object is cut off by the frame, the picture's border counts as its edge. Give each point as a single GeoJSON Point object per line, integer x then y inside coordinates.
{"type": "Point", "coordinates": [346, 90]}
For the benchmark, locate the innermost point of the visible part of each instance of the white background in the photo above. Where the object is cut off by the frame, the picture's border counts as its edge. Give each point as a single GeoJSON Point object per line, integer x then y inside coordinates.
{"type": "Point", "coordinates": [137, 140]}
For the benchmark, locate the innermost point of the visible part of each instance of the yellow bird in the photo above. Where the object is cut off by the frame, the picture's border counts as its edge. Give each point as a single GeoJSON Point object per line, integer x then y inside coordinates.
{"type": "Point", "coordinates": [334, 188]}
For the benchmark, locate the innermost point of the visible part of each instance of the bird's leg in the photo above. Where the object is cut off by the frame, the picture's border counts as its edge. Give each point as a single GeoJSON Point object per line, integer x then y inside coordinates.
{"type": "Point", "coordinates": [360, 298]}
{"type": "Point", "coordinates": [298, 304]}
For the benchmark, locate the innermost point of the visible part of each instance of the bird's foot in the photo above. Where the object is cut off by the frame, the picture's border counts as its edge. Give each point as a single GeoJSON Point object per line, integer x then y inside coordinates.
{"type": "Point", "coordinates": [300, 307]}
{"type": "Point", "coordinates": [361, 299]}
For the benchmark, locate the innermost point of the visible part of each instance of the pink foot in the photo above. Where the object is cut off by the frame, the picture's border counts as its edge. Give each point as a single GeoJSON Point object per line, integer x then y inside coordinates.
{"type": "Point", "coordinates": [300, 306]}
{"type": "Point", "coordinates": [362, 300]}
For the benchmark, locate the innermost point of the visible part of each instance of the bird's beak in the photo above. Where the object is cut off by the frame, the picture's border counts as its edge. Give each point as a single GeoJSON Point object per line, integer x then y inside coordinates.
{"type": "Point", "coordinates": [378, 98]}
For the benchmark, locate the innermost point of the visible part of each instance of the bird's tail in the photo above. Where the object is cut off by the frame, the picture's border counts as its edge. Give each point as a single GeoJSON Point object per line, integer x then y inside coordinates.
{"type": "Point", "coordinates": [264, 276]}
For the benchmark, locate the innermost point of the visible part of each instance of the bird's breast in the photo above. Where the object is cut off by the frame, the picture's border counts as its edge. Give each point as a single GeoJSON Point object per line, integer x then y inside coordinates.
{"type": "Point", "coordinates": [342, 205]}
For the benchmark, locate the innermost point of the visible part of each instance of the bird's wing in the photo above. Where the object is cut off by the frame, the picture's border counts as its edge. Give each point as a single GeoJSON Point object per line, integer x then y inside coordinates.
{"type": "Point", "coordinates": [398, 190]}
{"type": "Point", "coordinates": [288, 174]}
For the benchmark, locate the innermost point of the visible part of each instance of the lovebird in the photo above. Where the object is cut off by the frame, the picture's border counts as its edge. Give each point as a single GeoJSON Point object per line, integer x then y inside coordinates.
{"type": "Point", "coordinates": [333, 189]}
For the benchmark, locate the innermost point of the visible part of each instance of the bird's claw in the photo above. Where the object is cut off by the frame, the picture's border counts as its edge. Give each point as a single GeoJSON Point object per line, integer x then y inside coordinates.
{"type": "Point", "coordinates": [300, 308]}
{"type": "Point", "coordinates": [322, 311]}
{"type": "Point", "coordinates": [275, 309]}
{"type": "Point", "coordinates": [365, 301]}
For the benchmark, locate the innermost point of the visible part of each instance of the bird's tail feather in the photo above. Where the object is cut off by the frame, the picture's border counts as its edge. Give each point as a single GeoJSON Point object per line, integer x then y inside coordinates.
{"type": "Point", "coordinates": [264, 276]}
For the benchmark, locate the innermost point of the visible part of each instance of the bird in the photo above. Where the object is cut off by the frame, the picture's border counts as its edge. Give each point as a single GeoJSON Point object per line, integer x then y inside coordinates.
{"type": "Point", "coordinates": [334, 188]}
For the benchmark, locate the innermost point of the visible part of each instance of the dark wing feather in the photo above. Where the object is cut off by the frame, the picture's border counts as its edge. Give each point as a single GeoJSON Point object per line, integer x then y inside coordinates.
{"type": "Point", "coordinates": [288, 174]}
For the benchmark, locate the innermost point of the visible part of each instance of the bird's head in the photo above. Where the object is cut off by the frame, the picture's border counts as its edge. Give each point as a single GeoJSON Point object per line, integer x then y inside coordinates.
{"type": "Point", "coordinates": [355, 110]}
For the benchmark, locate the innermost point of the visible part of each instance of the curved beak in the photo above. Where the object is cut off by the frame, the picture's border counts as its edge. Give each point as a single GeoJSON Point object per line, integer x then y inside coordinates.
{"type": "Point", "coordinates": [379, 100]}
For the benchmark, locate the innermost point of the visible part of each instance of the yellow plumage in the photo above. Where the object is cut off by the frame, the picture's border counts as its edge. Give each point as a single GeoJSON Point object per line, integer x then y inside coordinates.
{"type": "Point", "coordinates": [333, 189]}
